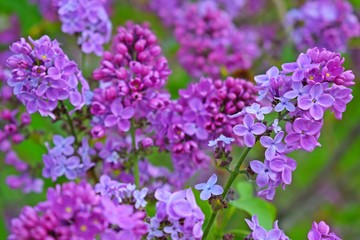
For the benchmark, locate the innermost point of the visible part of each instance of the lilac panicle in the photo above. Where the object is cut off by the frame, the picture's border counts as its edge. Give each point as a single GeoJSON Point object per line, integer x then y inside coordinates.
{"type": "Point", "coordinates": [300, 93]}
{"type": "Point", "coordinates": [336, 24]}
{"type": "Point", "coordinates": [42, 75]}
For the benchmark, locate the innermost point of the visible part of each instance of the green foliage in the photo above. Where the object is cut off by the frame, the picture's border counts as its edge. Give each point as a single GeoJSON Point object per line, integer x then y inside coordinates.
{"type": "Point", "coordinates": [253, 205]}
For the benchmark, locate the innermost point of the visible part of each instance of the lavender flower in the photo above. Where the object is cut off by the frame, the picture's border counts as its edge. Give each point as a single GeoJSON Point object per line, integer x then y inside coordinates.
{"type": "Point", "coordinates": [260, 233]}
{"type": "Point", "coordinates": [248, 129]}
{"type": "Point", "coordinates": [321, 231]}
{"type": "Point", "coordinates": [42, 75]}
{"type": "Point", "coordinates": [209, 188]}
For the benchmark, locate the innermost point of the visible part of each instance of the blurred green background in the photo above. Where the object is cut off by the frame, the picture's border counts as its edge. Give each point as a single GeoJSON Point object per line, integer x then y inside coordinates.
{"type": "Point", "coordinates": [326, 184]}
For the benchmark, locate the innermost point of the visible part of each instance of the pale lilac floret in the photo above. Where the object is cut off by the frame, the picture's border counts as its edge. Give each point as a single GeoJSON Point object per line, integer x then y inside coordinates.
{"type": "Point", "coordinates": [316, 101]}
{"type": "Point", "coordinates": [304, 133]}
{"type": "Point", "coordinates": [264, 172]}
{"type": "Point", "coordinates": [321, 231]}
{"type": "Point", "coordinates": [273, 145]}
{"type": "Point", "coordinates": [248, 129]}
{"type": "Point", "coordinates": [284, 103]}
{"type": "Point", "coordinates": [264, 80]}
{"type": "Point", "coordinates": [302, 64]}
{"type": "Point", "coordinates": [221, 139]}
{"type": "Point", "coordinates": [283, 165]}
{"type": "Point", "coordinates": [139, 196]}
{"type": "Point", "coordinates": [258, 111]}
{"type": "Point", "coordinates": [120, 116]}
{"type": "Point", "coordinates": [209, 188]}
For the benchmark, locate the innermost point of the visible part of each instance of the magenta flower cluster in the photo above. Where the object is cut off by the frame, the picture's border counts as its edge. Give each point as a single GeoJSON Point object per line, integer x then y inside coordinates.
{"type": "Point", "coordinates": [336, 24]}
{"type": "Point", "coordinates": [132, 77]}
{"type": "Point", "coordinates": [200, 114]}
{"type": "Point", "coordinates": [211, 43]}
{"type": "Point", "coordinates": [87, 19]}
{"type": "Point", "coordinates": [42, 75]}
{"type": "Point", "coordinates": [318, 231]}
{"type": "Point", "coordinates": [300, 94]}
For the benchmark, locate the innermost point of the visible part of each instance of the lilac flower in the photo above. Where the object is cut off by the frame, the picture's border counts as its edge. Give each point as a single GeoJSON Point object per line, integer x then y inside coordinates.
{"type": "Point", "coordinates": [106, 186]}
{"type": "Point", "coordinates": [67, 167]}
{"type": "Point", "coordinates": [299, 67]}
{"type": "Point", "coordinates": [321, 231]}
{"type": "Point", "coordinates": [304, 132]}
{"type": "Point", "coordinates": [154, 229]}
{"type": "Point", "coordinates": [259, 233]}
{"type": "Point", "coordinates": [62, 146]}
{"type": "Point", "coordinates": [221, 138]}
{"type": "Point", "coordinates": [120, 116]}
{"type": "Point", "coordinates": [192, 129]}
{"type": "Point", "coordinates": [316, 101]}
{"type": "Point", "coordinates": [209, 188]}
{"type": "Point", "coordinates": [258, 111]}
{"type": "Point", "coordinates": [249, 129]}
{"type": "Point", "coordinates": [264, 172]}
{"type": "Point", "coordinates": [264, 80]}
{"type": "Point", "coordinates": [275, 126]}
{"type": "Point", "coordinates": [297, 91]}
{"type": "Point", "coordinates": [285, 166]}
{"type": "Point", "coordinates": [284, 103]}
{"type": "Point", "coordinates": [273, 145]}
{"type": "Point", "coordinates": [139, 197]}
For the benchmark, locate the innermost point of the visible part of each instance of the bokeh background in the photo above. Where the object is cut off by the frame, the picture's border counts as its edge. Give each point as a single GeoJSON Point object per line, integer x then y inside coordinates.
{"type": "Point", "coordinates": [326, 184]}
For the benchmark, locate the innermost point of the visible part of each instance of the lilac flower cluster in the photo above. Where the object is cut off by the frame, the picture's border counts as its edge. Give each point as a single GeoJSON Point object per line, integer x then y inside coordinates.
{"type": "Point", "coordinates": [211, 42]}
{"type": "Point", "coordinates": [260, 233]}
{"type": "Point", "coordinates": [199, 115]}
{"type": "Point", "coordinates": [335, 21]}
{"type": "Point", "coordinates": [76, 211]}
{"type": "Point", "coordinates": [178, 214]}
{"type": "Point", "coordinates": [71, 211]}
{"type": "Point", "coordinates": [63, 160]}
{"type": "Point", "coordinates": [131, 78]}
{"type": "Point", "coordinates": [300, 94]}
{"type": "Point", "coordinates": [321, 231]}
{"type": "Point", "coordinates": [42, 75]}
{"type": "Point", "coordinates": [121, 192]}
{"type": "Point", "coordinates": [89, 20]}
{"type": "Point", "coordinates": [318, 231]}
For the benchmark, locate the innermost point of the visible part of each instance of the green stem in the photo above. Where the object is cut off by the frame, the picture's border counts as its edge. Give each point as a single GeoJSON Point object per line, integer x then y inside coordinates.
{"type": "Point", "coordinates": [70, 122]}
{"type": "Point", "coordinates": [135, 155]}
{"type": "Point", "coordinates": [229, 182]}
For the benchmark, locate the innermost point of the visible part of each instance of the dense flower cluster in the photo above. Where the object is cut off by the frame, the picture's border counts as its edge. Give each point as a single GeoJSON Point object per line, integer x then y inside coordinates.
{"type": "Point", "coordinates": [335, 22]}
{"type": "Point", "coordinates": [42, 75]}
{"type": "Point", "coordinates": [211, 42]}
{"type": "Point", "coordinates": [63, 160]}
{"type": "Point", "coordinates": [76, 211]}
{"type": "Point", "coordinates": [71, 210]}
{"type": "Point", "coordinates": [200, 114]}
{"type": "Point", "coordinates": [87, 19]}
{"type": "Point", "coordinates": [300, 94]}
{"type": "Point", "coordinates": [318, 231]}
{"type": "Point", "coordinates": [131, 78]}
{"type": "Point", "coordinates": [260, 233]}
{"type": "Point", "coordinates": [178, 214]}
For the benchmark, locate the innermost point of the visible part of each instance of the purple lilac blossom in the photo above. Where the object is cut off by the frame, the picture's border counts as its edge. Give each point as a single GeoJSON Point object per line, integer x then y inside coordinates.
{"type": "Point", "coordinates": [336, 24]}
{"type": "Point", "coordinates": [42, 75]}
{"type": "Point", "coordinates": [321, 231]}
{"type": "Point", "coordinates": [209, 188]}
{"type": "Point", "coordinates": [300, 93]}
{"type": "Point", "coordinates": [206, 104]}
{"type": "Point", "coordinates": [133, 76]}
{"type": "Point", "coordinates": [180, 213]}
{"type": "Point", "coordinates": [260, 233]}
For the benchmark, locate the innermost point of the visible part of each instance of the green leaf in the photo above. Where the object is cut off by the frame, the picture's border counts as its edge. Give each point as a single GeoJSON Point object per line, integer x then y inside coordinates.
{"type": "Point", "coordinates": [265, 211]}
